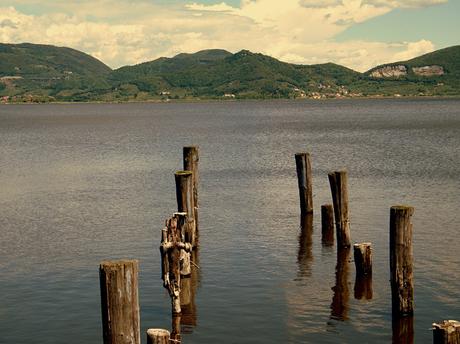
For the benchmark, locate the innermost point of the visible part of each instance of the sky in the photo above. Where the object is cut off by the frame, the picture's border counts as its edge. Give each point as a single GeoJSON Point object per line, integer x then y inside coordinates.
{"type": "Point", "coordinates": [358, 34]}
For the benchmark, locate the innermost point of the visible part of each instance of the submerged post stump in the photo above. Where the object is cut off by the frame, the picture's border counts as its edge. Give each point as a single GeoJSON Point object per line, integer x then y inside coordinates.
{"type": "Point", "coordinates": [191, 159]}
{"type": "Point", "coordinates": [157, 336]}
{"type": "Point", "coordinates": [185, 201]}
{"type": "Point", "coordinates": [120, 301]}
{"type": "Point", "coordinates": [363, 258]}
{"type": "Point", "coordinates": [303, 165]}
{"type": "Point", "coordinates": [401, 279]}
{"type": "Point", "coordinates": [339, 188]}
{"type": "Point", "coordinates": [446, 332]}
{"type": "Point", "coordinates": [327, 224]}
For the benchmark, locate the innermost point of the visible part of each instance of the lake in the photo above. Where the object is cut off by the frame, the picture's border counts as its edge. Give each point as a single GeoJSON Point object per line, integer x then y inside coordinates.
{"type": "Point", "coordinates": [89, 182]}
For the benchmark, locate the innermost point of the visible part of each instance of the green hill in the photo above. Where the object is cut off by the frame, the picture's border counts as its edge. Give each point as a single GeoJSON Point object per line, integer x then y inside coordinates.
{"type": "Point", "coordinates": [49, 72]}
{"type": "Point", "coordinates": [31, 72]}
{"type": "Point", "coordinates": [216, 73]}
{"type": "Point", "coordinates": [435, 73]}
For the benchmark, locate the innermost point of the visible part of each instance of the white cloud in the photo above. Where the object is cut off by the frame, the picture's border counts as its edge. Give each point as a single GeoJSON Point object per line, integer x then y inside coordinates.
{"type": "Point", "coordinates": [122, 33]}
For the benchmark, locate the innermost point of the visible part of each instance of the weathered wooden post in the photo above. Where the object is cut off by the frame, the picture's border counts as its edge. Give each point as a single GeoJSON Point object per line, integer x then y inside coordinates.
{"type": "Point", "coordinates": [157, 336]}
{"type": "Point", "coordinates": [191, 159]}
{"type": "Point", "coordinates": [339, 188]}
{"type": "Point", "coordinates": [120, 301]}
{"type": "Point", "coordinates": [185, 230]}
{"type": "Point", "coordinates": [185, 201]}
{"type": "Point", "coordinates": [171, 248]}
{"type": "Point", "coordinates": [402, 287]}
{"type": "Point", "coordinates": [303, 165]}
{"type": "Point", "coordinates": [327, 224]}
{"type": "Point", "coordinates": [446, 332]}
{"type": "Point", "coordinates": [363, 258]}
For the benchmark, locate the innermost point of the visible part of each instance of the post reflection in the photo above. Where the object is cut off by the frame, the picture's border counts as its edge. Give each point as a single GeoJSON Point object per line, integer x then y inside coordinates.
{"type": "Point", "coordinates": [403, 329]}
{"type": "Point", "coordinates": [339, 306]}
{"type": "Point", "coordinates": [363, 287]}
{"type": "Point", "coordinates": [189, 285]}
{"type": "Point", "coordinates": [305, 255]}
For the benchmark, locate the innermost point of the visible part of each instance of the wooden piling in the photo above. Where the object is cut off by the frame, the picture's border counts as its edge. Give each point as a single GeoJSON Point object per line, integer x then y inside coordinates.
{"type": "Point", "coordinates": [327, 224]}
{"type": "Point", "coordinates": [185, 200]}
{"type": "Point", "coordinates": [401, 279]}
{"type": "Point", "coordinates": [304, 177]}
{"type": "Point", "coordinates": [363, 287]}
{"type": "Point", "coordinates": [120, 301]}
{"type": "Point", "coordinates": [191, 159]}
{"type": "Point", "coordinates": [339, 188]}
{"type": "Point", "coordinates": [158, 336]}
{"type": "Point", "coordinates": [403, 329]}
{"type": "Point", "coordinates": [363, 258]}
{"type": "Point", "coordinates": [446, 332]}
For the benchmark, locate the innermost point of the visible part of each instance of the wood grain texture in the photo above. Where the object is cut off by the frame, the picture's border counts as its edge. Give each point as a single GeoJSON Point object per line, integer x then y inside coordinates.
{"type": "Point", "coordinates": [362, 253]}
{"type": "Point", "coordinates": [338, 181]}
{"type": "Point", "coordinates": [157, 336]}
{"type": "Point", "coordinates": [120, 301]}
{"type": "Point", "coordinates": [304, 178]}
{"type": "Point", "coordinates": [401, 275]}
{"type": "Point", "coordinates": [327, 224]}
{"type": "Point", "coordinates": [191, 159]}
{"type": "Point", "coordinates": [446, 332]}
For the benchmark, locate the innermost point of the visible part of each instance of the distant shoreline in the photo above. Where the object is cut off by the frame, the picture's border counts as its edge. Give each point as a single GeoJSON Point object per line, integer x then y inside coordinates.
{"type": "Point", "coordinates": [213, 100]}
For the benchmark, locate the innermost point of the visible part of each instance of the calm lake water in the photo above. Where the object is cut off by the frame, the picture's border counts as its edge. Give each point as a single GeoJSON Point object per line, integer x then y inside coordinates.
{"type": "Point", "coordinates": [85, 183]}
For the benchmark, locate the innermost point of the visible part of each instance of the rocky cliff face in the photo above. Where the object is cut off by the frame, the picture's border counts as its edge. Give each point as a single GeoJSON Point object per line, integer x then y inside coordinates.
{"type": "Point", "coordinates": [389, 72]}
{"type": "Point", "coordinates": [433, 70]}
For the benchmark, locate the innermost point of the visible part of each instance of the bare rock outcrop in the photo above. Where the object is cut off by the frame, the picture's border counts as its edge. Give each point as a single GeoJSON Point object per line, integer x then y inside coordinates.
{"type": "Point", "coordinates": [433, 70]}
{"type": "Point", "coordinates": [389, 72]}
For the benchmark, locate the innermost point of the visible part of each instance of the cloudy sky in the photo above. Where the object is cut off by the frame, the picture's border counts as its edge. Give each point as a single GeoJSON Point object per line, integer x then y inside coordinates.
{"type": "Point", "coordinates": [356, 33]}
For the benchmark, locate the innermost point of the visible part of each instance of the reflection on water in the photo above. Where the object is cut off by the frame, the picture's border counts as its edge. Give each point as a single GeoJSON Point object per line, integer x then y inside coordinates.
{"type": "Point", "coordinates": [363, 287]}
{"type": "Point", "coordinates": [189, 287]}
{"type": "Point", "coordinates": [175, 328]}
{"type": "Point", "coordinates": [305, 255]}
{"type": "Point", "coordinates": [403, 329]}
{"type": "Point", "coordinates": [84, 183]}
{"type": "Point", "coordinates": [339, 306]}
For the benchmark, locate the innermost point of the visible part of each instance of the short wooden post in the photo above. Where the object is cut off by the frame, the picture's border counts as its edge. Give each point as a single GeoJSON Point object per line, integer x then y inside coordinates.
{"type": "Point", "coordinates": [303, 165]}
{"type": "Point", "coordinates": [327, 224]}
{"type": "Point", "coordinates": [185, 201]}
{"type": "Point", "coordinates": [191, 159]}
{"type": "Point", "coordinates": [363, 258]}
{"type": "Point", "coordinates": [339, 188]}
{"type": "Point", "coordinates": [157, 336]}
{"type": "Point", "coordinates": [120, 301]}
{"type": "Point", "coordinates": [402, 287]}
{"type": "Point", "coordinates": [446, 332]}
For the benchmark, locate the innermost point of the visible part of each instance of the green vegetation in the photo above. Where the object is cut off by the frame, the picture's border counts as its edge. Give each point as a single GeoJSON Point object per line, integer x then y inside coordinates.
{"type": "Point", "coordinates": [30, 72]}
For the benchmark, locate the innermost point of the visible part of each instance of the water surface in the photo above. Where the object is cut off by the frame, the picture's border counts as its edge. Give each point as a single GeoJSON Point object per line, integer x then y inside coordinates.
{"type": "Point", "coordinates": [90, 182]}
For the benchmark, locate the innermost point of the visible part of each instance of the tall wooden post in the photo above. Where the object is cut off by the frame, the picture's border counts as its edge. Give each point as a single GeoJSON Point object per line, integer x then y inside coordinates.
{"type": "Point", "coordinates": [363, 258]}
{"type": "Point", "coordinates": [120, 301]}
{"type": "Point", "coordinates": [402, 285]}
{"type": "Point", "coordinates": [191, 159]}
{"type": "Point", "coordinates": [446, 332]}
{"type": "Point", "coordinates": [157, 336]}
{"type": "Point", "coordinates": [339, 188]}
{"type": "Point", "coordinates": [327, 224]}
{"type": "Point", "coordinates": [303, 165]}
{"type": "Point", "coordinates": [185, 200]}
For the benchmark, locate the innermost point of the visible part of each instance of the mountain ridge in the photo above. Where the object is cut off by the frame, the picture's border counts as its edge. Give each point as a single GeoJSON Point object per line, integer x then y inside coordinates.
{"type": "Point", "coordinates": [36, 72]}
